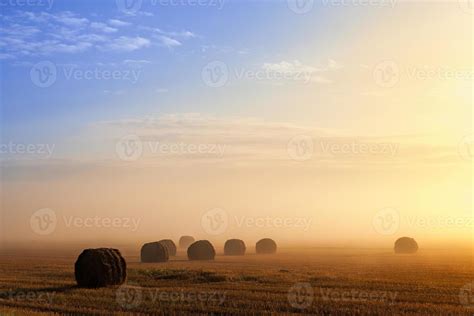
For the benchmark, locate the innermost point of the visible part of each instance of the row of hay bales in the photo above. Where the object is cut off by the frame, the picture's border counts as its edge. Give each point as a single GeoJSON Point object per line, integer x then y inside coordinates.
{"type": "Point", "coordinates": [101, 267]}
{"type": "Point", "coordinates": [160, 251]}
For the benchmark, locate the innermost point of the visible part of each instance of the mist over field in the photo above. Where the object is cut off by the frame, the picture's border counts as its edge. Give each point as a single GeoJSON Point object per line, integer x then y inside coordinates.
{"type": "Point", "coordinates": [222, 156]}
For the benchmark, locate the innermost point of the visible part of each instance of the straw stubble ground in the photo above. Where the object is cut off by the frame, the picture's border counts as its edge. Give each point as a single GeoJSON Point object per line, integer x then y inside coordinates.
{"type": "Point", "coordinates": [316, 281]}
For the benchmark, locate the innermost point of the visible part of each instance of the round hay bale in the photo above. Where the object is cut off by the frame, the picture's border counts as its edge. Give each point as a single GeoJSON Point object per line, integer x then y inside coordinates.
{"type": "Point", "coordinates": [170, 245]}
{"type": "Point", "coordinates": [234, 247]}
{"type": "Point", "coordinates": [265, 246]}
{"type": "Point", "coordinates": [100, 267]}
{"type": "Point", "coordinates": [201, 250]}
{"type": "Point", "coordinates": [154, 252]}
{"type": "Point", "coordinates": [406, 245]}
{"type": "Point", "coordinates": [185, 241]}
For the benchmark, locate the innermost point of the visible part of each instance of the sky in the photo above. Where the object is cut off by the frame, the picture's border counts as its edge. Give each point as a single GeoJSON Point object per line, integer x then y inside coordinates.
{"type": "Point", "coordinates": [312, 122]}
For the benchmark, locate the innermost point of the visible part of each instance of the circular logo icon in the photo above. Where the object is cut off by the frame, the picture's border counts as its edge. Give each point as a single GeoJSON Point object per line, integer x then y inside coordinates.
{"type": "Point", "coordinates": [129, 296]}
{"type": "Point", "coordinates": [466, 147]}
{"type": "Point", "coordinates": [386, 221]}
{"type": "Point", "coordinates": [466, 5]}
{"type": "Point", "coordinates": [129, 6]}
{"type": "Point", "coordinates": [215, 74]}
{"type": "Point", "coordinates": [300, 148]}
{"type": "Point", "coordinates": [301, 295]}
{"type": "Point", "coordinates": [466, 295]}
{"type": "Point", "coordinates": [129, 148]}
{"type": "Point", "coordinates": [43, 74]}
{"type": "Point", "coordinates": [215, 221]}
{"type": "Point", "coordinates": [43, 222]}
{"type": "Point", "coordinates": [300, 6]}
{"type": "Point", "coordinates": [386, 74]}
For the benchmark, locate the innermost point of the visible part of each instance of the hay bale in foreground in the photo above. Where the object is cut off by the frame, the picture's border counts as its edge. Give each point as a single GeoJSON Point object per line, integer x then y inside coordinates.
{"type": "Point", "coordinates": [266, 246]}
{"type": "Point", "coordinates": [154, 252]}
{"type": "Point", "coordinates": [170, 245]}
{"type": "Point", "coordinates": [406, 245]}
{"type": "Point", "coordinates": [234, 247]}
{"type": "Point", "coordinates": [185, 241]}
{"type": "Point", "coordinates": [100, 267]}
{"type": "Point", "coordinates": [201, 250]}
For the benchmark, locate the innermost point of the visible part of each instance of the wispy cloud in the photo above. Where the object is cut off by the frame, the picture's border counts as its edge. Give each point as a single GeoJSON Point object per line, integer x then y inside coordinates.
{"type": "Point", "coordinates": [118, 23]}
{"type": "Point", "coordinates": [127, 44]}
{"type": "Point", "coordinates": [35, 34]}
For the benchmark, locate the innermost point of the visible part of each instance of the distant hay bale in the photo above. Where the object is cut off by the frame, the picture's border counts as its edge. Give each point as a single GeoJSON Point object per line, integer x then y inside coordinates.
{"type": "Point", "coordinates": [170, 245]}
{"type": "Point", "coordinates": [201, 250]}
{"type": "Point", "coordinates": [154, 252]}
{"type": "Point", "coordinates": [266, 246]}
{"type": "Point", "coordinates": [406, 245]}
{"type": "Point", "coordinates": [185, 241]}
{"type": "Point", "coordinates": [234, 247]}
{"type": "Point", "coordinates": [100, 267]}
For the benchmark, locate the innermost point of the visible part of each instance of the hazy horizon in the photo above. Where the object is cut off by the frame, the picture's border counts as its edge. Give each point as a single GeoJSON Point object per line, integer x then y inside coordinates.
{"type": "Point", "coordinates": [126, 125]}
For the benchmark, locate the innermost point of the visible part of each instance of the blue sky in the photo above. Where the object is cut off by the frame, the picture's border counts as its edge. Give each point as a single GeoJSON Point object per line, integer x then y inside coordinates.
{"type": "Point", "coordinates": [293, 96]}
{"type": "Point", "coordinates": [159, 52]}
